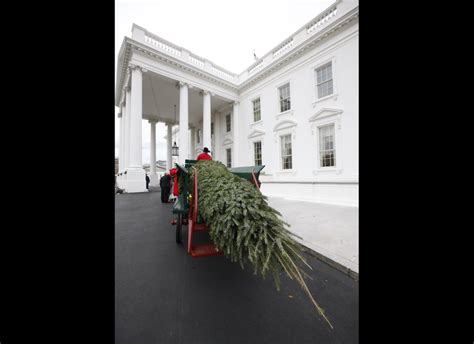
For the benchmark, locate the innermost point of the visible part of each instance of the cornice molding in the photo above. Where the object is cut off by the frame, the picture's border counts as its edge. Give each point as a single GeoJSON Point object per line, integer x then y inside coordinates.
{"type": "Point", "coordinates": [175, 63]}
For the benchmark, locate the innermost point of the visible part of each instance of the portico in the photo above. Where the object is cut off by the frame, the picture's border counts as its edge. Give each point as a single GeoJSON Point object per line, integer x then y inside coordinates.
{"type": "Point", "coordinates": [148, 93]}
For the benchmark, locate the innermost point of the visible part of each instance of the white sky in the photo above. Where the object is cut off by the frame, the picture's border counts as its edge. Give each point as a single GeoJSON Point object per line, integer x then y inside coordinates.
{"type": "Point", "coordinates": [224, 32]}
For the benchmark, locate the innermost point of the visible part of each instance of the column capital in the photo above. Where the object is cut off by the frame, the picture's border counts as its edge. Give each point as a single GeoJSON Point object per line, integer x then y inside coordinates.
{"type": "Point", "coordinates": [235, 103]}
{"type": "Point", "coordinates": [133, 66]}
{"type": "Point", "coordinates": [119, 115]}
{"type": "Point", "coordinates": [204, 92]}
{"type": "Point", "coordinates": [152, 121]}
{"type": "Point", "coordinates": [183, 83]}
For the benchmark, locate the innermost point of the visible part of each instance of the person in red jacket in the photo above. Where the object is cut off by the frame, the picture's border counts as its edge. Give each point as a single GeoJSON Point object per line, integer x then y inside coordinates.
{"type": "Point", "coordinates": [174, 174]}
{"type": "Point", "coordinates": [204, 155]}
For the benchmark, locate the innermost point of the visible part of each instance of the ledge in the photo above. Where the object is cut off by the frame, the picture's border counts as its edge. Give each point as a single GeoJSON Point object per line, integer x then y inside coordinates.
{"type": "Point", "coordinates": [335, 95]}
{"type": "Point", "coordinates": [287, 112]}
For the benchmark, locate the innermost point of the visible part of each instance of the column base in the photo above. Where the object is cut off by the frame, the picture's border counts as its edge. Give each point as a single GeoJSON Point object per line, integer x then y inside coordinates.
{"type": "Point", "coordinates": [135, 180]}
{"type": "Point", "coordinates": [154, 180]}
{"type": "Point", "coordinates": [120, 180]}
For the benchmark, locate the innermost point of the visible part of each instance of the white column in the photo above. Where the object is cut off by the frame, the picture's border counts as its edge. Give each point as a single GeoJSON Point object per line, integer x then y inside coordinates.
{"type": "Point", "coordinates": [217, 136]}
{"type": "Point", "coordinates": [127, 129]}
{"type": "Point", "coordinates": [235, 129]}
{"type": "Point", "coordinates": [193, 143]}
{"type": "Point", "coordinates": [136, 174]}
{"type": "Point", "coordinates": [183, 123]}
{"type": "Point", "coordinates": [206, 120]}
{"type": "Point", "coordinates": [120, 155]}
{"type": "Point", "coordinates": [153, 175]}
{"type": "Point", "coordinates": [169, 143]}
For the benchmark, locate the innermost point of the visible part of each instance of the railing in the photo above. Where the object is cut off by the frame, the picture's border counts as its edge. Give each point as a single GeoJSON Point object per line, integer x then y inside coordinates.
{"type": "Point", "coordinates": [285, 46]}
{"type": "Point", "coordinates": [255, 67]}
{"type": "Point", "coordinates": [311, 28]}
{"type": "Point", "coordinates": [337, 9]}
{"type": "Point", "coordinates": [196, 61]}
{"type": "Point", "coordinates": [163, 45]}
{"type": "Point", "coordinates": [222, 73]}
{"type": "Point", "coordinates": [142, 35]}
{"type": "Point", "coordinates": [322, 19]}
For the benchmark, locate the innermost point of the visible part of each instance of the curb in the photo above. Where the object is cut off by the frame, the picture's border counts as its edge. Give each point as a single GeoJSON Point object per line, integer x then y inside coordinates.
{"type": "Point", "coordinates": [338, 266]}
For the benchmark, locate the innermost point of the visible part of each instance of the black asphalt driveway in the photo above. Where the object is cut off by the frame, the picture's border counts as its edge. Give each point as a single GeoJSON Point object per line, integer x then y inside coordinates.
{"type": "Point", "coordinates": [163, 295]}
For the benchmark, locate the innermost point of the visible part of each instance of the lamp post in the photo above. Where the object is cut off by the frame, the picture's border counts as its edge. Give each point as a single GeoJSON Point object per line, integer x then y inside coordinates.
{"type": "Point", "coordinates": [175, 150]}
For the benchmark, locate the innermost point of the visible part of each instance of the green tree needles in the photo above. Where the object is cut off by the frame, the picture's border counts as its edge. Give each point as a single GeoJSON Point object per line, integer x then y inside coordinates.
{"type": "Point", "coordinates": [246, 228]}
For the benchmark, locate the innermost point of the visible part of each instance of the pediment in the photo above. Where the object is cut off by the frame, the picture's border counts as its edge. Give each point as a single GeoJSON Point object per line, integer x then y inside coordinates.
{"type": "Point", "coordinates": [227, 142]}
{"type": "Point", "coordinates": [255, 133]}
{"type": "Point", "coordinates": [285, 124]}
{"type": "Point", "coordinates": [324, 113]}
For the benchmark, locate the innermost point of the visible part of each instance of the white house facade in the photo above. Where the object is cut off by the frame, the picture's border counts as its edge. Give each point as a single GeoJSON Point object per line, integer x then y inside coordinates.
{"type": "Point", "coordinates": [295, 110]}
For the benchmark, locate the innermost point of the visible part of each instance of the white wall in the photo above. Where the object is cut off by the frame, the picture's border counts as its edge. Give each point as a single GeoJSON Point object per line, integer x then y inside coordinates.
{"type": "Point", "coordinates": [342, 50]}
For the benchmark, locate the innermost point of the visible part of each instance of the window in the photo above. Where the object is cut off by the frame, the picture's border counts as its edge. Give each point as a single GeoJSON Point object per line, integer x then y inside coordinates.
{"type": "Point", "coordinates": [229, 157]}
{"type": "Point", "coordinates": [256, 110]}
{"type": "Point", "coordinates": [227, 123]}
{"type": "Point", "coordinates": [327, 150]}
{"type": "Point", "coordinates": [199, 136]}
{"type": "Point", "coordinates": [286, 152]}
{"type": "Point", "coordinates": [324, 80]}
{"type": "Point", "coordinates": [257, 148]}
{"type": "Point", "coordinates": [285, 98]}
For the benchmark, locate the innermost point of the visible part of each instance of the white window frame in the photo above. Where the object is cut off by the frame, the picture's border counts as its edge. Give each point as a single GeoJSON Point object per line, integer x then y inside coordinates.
{"type": "Point", "coordinates": [334, 144]}
{"type": "Point", "coordinates": [230, 121]}
{"type": "Point", "coordinates": [285, 127]}
{"type": "Point", "coordinates": [254, 136]}
{"type": "Point", "coordinates": [253, 109]}
{"type": "Point", "coordinates": [320, 64]}
{"type": "Point", "coordinates": [324, 117]}
{"type": "Point", "coordinates": [280, 136]}
{"type": "Point", "coordinates": [261, 151]}
{"type": "Point", "coordinates": [331, 80]}
{"type": "Point", "coordinates": [278, 87]}
{"type": "Point", "coordinates": [227, 149]}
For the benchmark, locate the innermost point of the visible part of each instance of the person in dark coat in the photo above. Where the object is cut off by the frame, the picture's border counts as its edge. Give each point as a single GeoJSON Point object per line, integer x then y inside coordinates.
{"type": "Point", "coordinates": [147, 181]}
{"type": "Point", "coordinates": [165, 185]}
